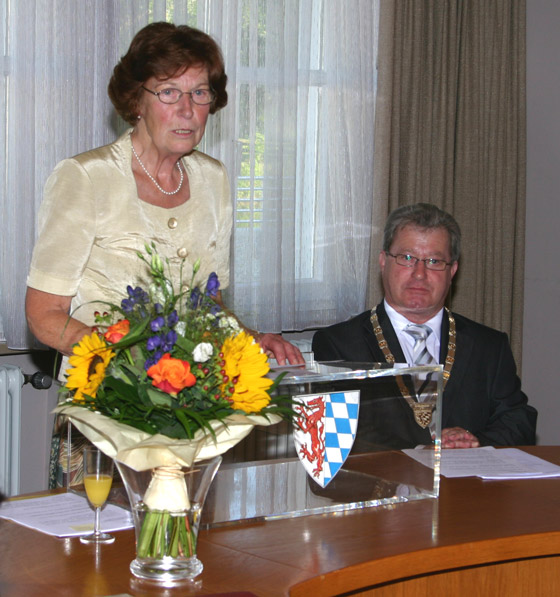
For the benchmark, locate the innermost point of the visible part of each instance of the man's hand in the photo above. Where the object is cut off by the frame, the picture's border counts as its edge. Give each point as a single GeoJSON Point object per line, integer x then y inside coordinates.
{"type": "Point", "coordinates": [457, 437]}
{"type": "Point", "coordinates": [275, 346]}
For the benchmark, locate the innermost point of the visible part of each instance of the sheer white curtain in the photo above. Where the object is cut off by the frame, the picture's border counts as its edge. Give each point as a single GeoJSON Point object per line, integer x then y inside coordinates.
{"type": "Point", "coordinates": [58, 56]}
{"type": "Point", "coordinates": [301, 114]}
{"type": "Point", "coordinates": [296, 137]}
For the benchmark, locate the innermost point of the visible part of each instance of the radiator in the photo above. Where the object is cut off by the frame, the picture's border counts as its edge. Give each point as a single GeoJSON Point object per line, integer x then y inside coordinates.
{"type": "Point", "coordinates": [11, 381]}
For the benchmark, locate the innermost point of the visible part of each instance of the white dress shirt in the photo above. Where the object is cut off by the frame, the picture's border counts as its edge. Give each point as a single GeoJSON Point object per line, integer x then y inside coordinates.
{"type": "Point", "coordinates": [406, 341]}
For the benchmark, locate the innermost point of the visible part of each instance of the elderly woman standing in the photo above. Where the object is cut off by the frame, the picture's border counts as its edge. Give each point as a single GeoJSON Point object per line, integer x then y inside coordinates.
{"type": "Point", "coordinates": [101, 207]}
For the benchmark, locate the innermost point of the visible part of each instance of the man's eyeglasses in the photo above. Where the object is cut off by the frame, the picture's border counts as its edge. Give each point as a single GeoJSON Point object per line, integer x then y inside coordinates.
{"type": "Point", "coordinates": [171, 95]}
{"type": "Point", "coordinates": [410, 261]}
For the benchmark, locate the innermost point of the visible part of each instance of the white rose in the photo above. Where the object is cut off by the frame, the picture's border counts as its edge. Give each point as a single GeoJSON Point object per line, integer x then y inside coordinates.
{"type": "Point", "coordinates": [229, 322]}
{"type": "Point", "coordinates": [202, 352]}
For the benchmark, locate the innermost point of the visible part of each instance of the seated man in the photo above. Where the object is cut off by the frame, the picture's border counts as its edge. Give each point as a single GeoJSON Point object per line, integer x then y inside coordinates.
{"type": "Point", "coordinates": [482, 399]}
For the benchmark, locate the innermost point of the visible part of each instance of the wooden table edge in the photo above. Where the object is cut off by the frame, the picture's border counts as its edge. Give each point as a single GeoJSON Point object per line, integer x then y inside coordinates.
{"type": "Point", "coordinates": [429, 561]}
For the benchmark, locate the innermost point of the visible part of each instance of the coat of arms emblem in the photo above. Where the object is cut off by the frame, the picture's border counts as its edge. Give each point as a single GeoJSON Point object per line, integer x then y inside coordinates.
{"type": "Point", "coordinates": [324, 432]}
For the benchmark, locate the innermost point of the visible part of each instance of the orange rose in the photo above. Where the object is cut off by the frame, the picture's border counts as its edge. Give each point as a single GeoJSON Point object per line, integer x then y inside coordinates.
{"type": "Point", "coordinates": [117, 331]}
{"type": "Point", "coordinates": [171, 375]}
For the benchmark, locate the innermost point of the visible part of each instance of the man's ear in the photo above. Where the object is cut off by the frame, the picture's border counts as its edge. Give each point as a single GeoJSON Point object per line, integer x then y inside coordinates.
{"type": "Point", "coordinates": [382, 259]}
{"type": "Point", "coordinates": [454, 268]}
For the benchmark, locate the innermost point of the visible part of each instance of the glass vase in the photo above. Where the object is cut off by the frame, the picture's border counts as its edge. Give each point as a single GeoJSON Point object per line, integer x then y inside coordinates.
{"type": "Point", "coordinates": [167, 505]}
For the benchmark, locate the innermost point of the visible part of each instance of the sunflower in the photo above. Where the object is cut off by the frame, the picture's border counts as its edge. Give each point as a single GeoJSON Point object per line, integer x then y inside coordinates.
{"type": "Point", "coordinates": [244, 370]}
{"type": "Point", "coordinates": [89, 360]}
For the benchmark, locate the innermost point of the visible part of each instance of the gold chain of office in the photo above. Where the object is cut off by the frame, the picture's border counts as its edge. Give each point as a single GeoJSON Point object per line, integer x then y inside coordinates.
{"type": "Point", "coordinates": [422, 411]}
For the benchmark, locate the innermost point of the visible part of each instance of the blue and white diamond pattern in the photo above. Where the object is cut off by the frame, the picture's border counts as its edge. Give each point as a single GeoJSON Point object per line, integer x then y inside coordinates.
{"type": "Point", "coordinates": [326, 432]}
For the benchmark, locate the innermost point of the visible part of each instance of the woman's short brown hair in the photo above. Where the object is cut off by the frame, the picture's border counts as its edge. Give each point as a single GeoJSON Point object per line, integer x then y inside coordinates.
{"type": "Point", "coordinates": [163, 50]}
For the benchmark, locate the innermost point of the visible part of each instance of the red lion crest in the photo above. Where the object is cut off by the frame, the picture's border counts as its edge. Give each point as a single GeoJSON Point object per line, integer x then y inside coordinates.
{"type": "Point", "coordinates": [311, 421]}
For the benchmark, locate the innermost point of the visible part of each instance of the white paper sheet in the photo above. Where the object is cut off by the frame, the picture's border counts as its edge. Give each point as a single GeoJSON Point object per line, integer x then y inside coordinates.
{"type": "Point", "coordinates": [64, 515]}
{"type": "Point", "coordinates": [488, 463]}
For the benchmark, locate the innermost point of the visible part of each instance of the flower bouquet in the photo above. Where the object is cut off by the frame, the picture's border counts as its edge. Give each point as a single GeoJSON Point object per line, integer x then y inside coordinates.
{"type": "Point", "coordinates": [166, 382]}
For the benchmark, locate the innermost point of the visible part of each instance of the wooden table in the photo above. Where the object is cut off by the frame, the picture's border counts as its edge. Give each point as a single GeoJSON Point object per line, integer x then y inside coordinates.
{"type": "Point", "coordinates": [480, 538]}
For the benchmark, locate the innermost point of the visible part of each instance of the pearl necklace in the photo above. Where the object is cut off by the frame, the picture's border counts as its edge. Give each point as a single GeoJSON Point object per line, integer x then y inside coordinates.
{"type": "Point", "coordinates": [153, 179]}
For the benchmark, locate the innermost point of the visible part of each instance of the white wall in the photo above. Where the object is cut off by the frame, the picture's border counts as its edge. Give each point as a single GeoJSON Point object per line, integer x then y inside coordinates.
{"type": "Point", "coordinates": [541, 335]}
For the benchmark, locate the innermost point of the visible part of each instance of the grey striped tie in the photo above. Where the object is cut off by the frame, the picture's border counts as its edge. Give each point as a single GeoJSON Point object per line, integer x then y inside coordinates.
{"type": "Point", "coordinates": [420, 353]}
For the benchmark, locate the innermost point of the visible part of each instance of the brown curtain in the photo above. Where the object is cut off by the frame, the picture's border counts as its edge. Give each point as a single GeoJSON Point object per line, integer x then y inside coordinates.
{"type": "Point", "coordinates": [450, 130]}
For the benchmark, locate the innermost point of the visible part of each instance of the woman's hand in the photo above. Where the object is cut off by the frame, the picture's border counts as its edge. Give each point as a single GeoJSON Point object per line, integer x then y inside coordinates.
{"type": "Point", "coordinates": [283, 351]}
{"type": "Point", "coordinates": [48, 320]}
{"type": "Point", "coordinates": [273, 344]}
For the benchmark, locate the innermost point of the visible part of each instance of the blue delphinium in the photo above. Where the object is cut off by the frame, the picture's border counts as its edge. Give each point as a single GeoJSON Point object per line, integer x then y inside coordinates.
{"type": "Point", "coordinates": [196, 298]}
{"type": "Point", "coordinates": [136, 296]}
{"type": "Point", "coordinates": [153, 359]}
{"type": "Point", "coordinates": [157, 323]}
{"type": "Point", "coordinates": [212, 285]}
{"type": "Point", "coordinates": [165, 340]}
{"type": "Point", "coordinates": [172, 318]}
{"type": "Point", "coordinates": [168, 341]}
{"type": "Point", "coordinates": [153, 343]}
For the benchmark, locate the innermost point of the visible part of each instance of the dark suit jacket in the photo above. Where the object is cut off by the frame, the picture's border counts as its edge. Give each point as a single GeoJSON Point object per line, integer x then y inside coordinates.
{"type": "Point", "coordinates": [483, 393]}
